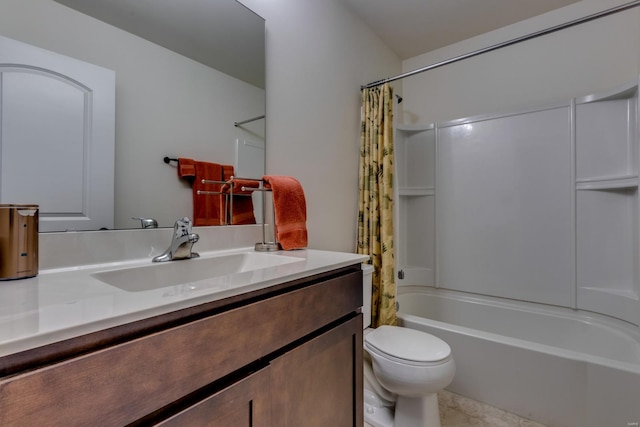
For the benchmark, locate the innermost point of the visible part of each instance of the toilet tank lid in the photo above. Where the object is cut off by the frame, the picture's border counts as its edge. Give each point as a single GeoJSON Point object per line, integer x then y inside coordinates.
{"type": "Point", "coordinates": [408, 344]}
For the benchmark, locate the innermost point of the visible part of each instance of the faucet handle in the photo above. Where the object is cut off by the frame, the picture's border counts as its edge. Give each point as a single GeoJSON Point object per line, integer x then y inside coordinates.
{"type": "Point", "coordinates": [182, 227]}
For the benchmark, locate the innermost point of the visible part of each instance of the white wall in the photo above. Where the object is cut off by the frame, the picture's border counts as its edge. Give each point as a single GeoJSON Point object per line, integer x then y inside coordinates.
{"type": "Point", "coordinates": [587, 58]}
{"type": "Point", "coordinates": [166, 104]}
{"type": "Point", "coordinates": [318, 55]}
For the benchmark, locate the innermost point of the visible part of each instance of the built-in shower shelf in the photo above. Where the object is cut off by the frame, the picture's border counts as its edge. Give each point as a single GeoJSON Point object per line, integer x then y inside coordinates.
{"type": "Point", "coordinates": [606, 203]}
{"type": "Point", "coordinates": [415, 154]}
{"type": "Point", "coordinates": [414, 127]}
{"type": "Point", "coordinates": [416, 191]}
{"type": "Point", "coordinates": [613, 183]}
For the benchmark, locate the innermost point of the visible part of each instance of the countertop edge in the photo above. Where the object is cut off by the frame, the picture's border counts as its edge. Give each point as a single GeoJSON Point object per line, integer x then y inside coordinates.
{"type": "Point", "coordinates": [29, 342]}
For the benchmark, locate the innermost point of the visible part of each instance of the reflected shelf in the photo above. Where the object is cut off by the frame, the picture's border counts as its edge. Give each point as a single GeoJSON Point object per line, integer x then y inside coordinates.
{"type": "Point", "coordinates": [416, 191]}
{"type": "Point", "coordinates": [611, 183]}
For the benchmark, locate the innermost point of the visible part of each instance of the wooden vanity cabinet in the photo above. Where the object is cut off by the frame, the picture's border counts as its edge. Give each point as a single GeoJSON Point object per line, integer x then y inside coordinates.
{"type": "Point", "coordinates": [288, 355]}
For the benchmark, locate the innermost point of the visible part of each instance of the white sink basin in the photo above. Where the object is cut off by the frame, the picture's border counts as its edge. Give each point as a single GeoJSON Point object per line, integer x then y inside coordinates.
{"type": "Point", "coordinates": [160, 275]}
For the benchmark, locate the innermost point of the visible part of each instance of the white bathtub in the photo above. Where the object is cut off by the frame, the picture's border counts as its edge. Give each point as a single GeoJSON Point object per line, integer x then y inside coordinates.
{"type": "Point", "coordinates": [557, 366]}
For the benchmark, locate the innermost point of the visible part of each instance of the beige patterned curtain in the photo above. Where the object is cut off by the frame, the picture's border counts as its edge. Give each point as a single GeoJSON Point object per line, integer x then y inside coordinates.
{"type": "Point", "coordinates": [375, 210]}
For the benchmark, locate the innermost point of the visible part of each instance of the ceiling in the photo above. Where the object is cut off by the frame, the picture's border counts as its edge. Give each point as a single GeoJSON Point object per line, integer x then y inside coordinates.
{"type": "Point", "coordinates": [413, 27]}
{"type": "Point", "coordinates": [408, 27]}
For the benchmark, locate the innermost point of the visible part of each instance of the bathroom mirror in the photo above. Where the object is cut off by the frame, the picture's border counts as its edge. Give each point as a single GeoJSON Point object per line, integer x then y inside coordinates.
{"type": "Point", "coordinates": [187, 71]}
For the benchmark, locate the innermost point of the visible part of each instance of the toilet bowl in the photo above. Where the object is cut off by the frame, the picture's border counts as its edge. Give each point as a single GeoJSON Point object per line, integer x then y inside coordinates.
{"type": "Point", "coordinates": [413, 365]}
{"type": "Point", "coordinates": [408, 365]}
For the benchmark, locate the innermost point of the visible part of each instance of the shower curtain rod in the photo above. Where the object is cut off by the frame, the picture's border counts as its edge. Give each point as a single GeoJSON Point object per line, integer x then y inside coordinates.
{"type": "Point", "coordinates": [549, 30]}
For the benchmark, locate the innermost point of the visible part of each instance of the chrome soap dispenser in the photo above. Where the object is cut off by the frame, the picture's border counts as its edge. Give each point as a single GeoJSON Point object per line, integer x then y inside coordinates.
{"type": "Point", "coordinates": [18, 241]}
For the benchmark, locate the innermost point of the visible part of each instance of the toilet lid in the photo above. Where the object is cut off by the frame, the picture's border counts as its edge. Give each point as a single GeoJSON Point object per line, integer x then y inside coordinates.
{"type": "Point", "coordinates": [408, 344]}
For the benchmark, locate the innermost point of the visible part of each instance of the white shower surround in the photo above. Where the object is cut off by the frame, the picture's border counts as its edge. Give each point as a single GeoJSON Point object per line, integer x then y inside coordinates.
{"type": "Point", "coordinates": [557, 366]}
{"type": "Point", "coordinates": [538, 205]}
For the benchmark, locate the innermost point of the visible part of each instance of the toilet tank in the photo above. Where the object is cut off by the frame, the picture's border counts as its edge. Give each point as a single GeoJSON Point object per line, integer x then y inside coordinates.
{"type": "Point", "coordinates": [367, 273]}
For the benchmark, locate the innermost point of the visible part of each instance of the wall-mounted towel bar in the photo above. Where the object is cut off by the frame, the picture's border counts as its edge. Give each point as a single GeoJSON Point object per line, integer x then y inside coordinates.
{"type": "Point", "coordinates": [168, 160]}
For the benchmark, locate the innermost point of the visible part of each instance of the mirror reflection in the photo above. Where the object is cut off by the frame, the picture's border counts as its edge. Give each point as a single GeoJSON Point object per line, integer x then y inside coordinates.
{"type": "Point", "coordinates": [171, 99]}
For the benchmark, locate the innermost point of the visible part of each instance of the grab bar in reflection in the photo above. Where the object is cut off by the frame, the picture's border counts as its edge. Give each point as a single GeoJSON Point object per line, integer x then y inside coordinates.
{"type": "Point", "coordinates": [236, 124]}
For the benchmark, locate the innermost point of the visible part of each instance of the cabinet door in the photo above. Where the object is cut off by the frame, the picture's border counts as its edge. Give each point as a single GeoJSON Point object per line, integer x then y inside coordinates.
{"type": "Point", "coordinates": [246, 403]}
{"type": "Point", "coordinates": [319, 383]}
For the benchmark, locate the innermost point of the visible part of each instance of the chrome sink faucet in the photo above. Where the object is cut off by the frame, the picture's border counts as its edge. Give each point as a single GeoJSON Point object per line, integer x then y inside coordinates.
{"type": "Point", "coordinates": [146, 222]}
{"type": "Point", "coordinates": [181, 243]}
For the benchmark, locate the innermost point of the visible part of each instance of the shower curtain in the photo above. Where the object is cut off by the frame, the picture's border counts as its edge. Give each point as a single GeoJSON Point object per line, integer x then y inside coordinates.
{"type": "Point", "coordinates": [375, 208]}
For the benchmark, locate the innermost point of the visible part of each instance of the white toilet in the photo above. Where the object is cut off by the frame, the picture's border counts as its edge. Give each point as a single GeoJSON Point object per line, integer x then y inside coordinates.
{"type": "Point", "coordinates": [404, 365]}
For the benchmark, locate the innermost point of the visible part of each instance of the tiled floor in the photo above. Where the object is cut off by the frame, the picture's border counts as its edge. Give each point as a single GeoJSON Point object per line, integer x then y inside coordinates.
{"type": "Point", "coordinates": [459, 411]}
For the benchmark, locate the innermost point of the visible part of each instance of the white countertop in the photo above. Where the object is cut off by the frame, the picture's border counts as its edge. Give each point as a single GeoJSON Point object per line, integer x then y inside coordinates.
{"type": "Point", "coordinates": [68, 302]}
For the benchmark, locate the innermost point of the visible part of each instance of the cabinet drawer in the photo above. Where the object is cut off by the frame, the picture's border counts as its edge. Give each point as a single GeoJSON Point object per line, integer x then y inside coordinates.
{"type": "Point", "coordinates": [119, 384]}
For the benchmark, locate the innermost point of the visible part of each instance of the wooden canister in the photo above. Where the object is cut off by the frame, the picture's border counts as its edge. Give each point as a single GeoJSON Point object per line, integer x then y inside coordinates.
{"type": "Point", "coordinates": [18, 241]}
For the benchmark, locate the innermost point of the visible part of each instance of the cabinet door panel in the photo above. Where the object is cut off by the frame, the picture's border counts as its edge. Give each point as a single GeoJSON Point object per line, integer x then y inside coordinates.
{"type": "Point", "coordinates": [246, 403]}
{"type": "Point", "coordinates": [319, 383]}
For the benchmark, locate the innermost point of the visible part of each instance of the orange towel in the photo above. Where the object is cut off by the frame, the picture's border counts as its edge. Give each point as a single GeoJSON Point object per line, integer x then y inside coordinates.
{"type": "Point", "coordinates": [208, 209]}
{"type": "Point", "coordinates": [186, 167]}
{"type": "Point", "coordinates": [290, 211]}
{"type": "Point", "coordinates": [241, 207]}
{"type": "Point", "coordinates": [227, 172]}
{"type": "Point", "coordinates": [213, 209]}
